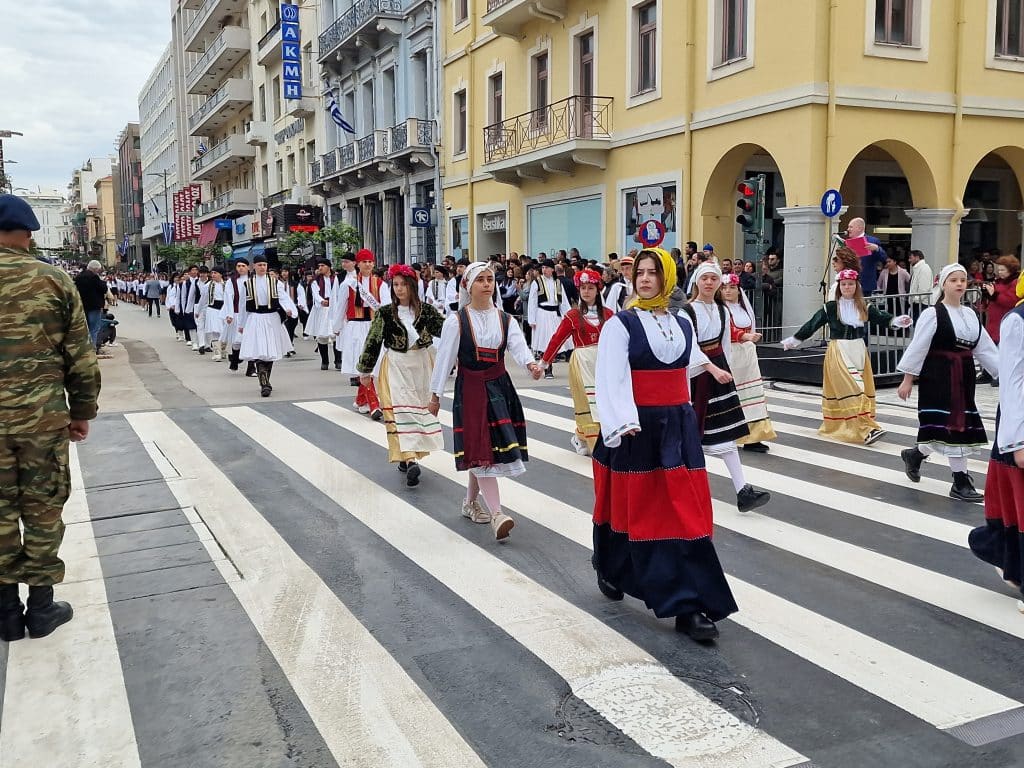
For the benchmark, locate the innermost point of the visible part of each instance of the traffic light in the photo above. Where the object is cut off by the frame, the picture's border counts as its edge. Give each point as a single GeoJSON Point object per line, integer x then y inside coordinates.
{"type": "Point", "coordinates": [751, 205]}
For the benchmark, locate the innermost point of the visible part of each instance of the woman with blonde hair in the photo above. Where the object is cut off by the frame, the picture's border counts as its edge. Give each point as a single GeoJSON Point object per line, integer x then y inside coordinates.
{"type": "Point", "coordinates": [848, 386]}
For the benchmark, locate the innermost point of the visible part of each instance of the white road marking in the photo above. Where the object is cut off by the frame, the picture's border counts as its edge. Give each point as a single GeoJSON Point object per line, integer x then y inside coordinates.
{"type": "Point", "coordinates": [574, 644]}
{"type": "Point", "coordinates": [367, 709]}
{"type": "Point", "coordinates": [926, 691]}
{"type": "Point", "coordinates": [74, 674]}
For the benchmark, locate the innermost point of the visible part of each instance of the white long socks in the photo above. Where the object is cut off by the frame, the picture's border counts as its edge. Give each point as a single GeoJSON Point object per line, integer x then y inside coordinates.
{"type": "Point", "coordinates": [732, 463]}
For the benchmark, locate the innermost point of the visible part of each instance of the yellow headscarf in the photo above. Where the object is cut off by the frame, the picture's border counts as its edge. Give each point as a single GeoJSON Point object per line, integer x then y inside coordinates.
{"type": "Point", "coordinates": [1020, 289]}
{"type": "Point", "coordinates": [668, 266]}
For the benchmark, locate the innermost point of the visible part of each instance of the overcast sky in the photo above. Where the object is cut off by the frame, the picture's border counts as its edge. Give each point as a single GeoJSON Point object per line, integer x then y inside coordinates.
{"type": "Point", "coordinates": [70, 75]}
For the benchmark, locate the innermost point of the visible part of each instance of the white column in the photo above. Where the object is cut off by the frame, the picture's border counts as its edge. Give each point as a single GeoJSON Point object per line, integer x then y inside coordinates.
{"type": "Point", "coordinates": [390, 229]}
{"type": "Point", "coordinates": [804, 261]}
{"type": "Point", "coordinates": [933, 234]}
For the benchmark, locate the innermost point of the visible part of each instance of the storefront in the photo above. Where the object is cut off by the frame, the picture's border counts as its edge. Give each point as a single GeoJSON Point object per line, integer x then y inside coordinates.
{"type": "Point", "coordinates": [491, 234]}
{"type": "Point", "coordinates": [565, 224]}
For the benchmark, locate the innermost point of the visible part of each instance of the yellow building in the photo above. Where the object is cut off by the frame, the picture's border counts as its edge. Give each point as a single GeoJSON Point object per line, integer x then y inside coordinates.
{"type": "Point", "coordinates": [568, 122]}
{"type": "Point", "coordinates": [102, 221]}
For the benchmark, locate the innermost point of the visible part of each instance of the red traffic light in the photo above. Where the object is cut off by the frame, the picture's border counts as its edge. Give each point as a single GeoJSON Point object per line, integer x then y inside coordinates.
{"type": "Point", "coordinates": [746, 189]}
{"type": "Point", "coordinates": [745, 205]}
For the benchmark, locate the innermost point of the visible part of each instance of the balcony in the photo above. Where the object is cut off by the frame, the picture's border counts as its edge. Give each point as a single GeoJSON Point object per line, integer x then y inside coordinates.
{"type": "Point", "coordinates": [192, 5]}
{"type": "Point", "coordinates": [222, 108]}
{"type": "Point", "coordinates": [507, 17]}
{"type": "Point", "coordinates": [257, 133]}
{"type": "Point", "coordinates": [297, 108]}
{"type": "Point", "coordinates": [222, 158]}
{"type": "Point", "coordinates": [553, 140]}
{"type": "Point", "coordinates": [359, 26]}
{"type": "Point", "coordinates": [412, 141]}
{"type": "Point", "coordinates": [268, 49]}
{"type": "Point", "coordinates": [234, 201]}
{"type": "Point", "coordinates": [211, 17]}
{"type": "Point", "coordinates": [367, 158]}
{"type": "Point", "coordinates": [229, 48]}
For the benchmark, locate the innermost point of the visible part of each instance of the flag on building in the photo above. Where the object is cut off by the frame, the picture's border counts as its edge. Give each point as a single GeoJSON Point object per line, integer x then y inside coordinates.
{"type": "Point", "coordinates": [122, 249]}
{"type": "Point", "coordinates": [167, 228]}
{"type": "Point", "coordinates": [202, 149]}
{"type": "Point", "coordinates": [335, 112]}
{"type": "Point", "coordinates": [156, 208]}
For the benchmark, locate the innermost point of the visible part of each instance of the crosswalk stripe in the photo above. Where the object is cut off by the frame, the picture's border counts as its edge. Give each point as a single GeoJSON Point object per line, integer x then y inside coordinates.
{"type": "Point", "coordinates": [876, 511]}
{"type": "Point", "coordinates": [367, 709]}
{"type": "Point", "coordinates": [586, 653]}
{"type": "Point", "coordinates": [74, 674]}
{"type": "Point", "coordinates": [814, 402]}
{"type": "Point", "coordinates": [984, 606]}
{"type": "Point", "coordinates": [926, 691]}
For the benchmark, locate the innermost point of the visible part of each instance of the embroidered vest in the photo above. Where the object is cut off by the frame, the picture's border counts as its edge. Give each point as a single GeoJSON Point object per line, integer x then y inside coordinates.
{"type": "Point", "coordinates": [356, 309]}
{"type": "Point", "coordinates": [251, 305]}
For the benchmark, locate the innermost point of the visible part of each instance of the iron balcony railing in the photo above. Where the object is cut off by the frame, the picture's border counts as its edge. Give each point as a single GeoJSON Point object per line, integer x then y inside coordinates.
{"type": "Point", "coordinates": [423, 135]}
{"type": "Point", "coordinates": [278, 198]}
{"type": "Point", "coordinates": [206, 58]}
{"type": "Point", "coordinates": [270, 33]}
{"type": "Point", "coordinates": [199, 18]}
{"type": "Point", "coordinates": [351, 21]}
{"type": "Point", "coordinates": [330, 161]}
{"type": "Point", "coordinates": [577, 117]}
{"type": "Point", "coordinates": [215, 152]}
{"type": "Point", "coordinates": [221, 201]}
{"type": "Point", "coordinates": [208, 106]}
{"type": "Point", "coordinates": [493, 5]}
{"type": "Point", "coordinates": [314, 172]}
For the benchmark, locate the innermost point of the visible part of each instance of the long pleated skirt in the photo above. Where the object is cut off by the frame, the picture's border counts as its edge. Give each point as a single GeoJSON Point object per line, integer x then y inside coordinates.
{"type": "Point", "coordinates": [848, 392]}
{"type": "Point", "coordinates": [403, 386]}
{"type": "Point", "coordinates": [746, 373]}
{"type": "Point", "coordinates": [264, 338]}
{"type": "Point", "coordinates": [582, 373]}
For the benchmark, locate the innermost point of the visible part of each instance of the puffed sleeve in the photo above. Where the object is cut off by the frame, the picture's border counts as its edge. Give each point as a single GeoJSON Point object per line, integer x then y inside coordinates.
{"type": "Point", "coordinates": [516, 344]}
{"type": "Point", "coordinates": [917, 349]}
{"type": "Point", "coordinates": [986, 353]}
{"type": "Point", "coordinates": [447, 354]}
{"type": "Point", "coordinates": [1010, 437]}
{"type": "Point", "coordinates": [614, 384]}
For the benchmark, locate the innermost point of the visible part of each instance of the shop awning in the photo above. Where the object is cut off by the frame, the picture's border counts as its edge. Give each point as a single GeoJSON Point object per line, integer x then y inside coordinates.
{"type": "Point", "coordinates": [241, 252]}
{"type": "Point", "coordinates": [207, 233]}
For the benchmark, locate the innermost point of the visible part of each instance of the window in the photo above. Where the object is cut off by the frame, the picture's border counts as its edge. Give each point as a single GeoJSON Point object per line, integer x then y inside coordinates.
{"type": "Point", "coordinates": [262, 104]}
{"type": "Point", "coordinates": [265, 178]}
{"type": "Point", "coordinates": [894, 22]}
{"type": "Point", "coordinates": [647, 48]}
{"type": "Point", "coordinates": [496, 88]}
{"type": "Point", "coordinates": [585, 64]}
{"type": "Point", "coordinates": [540, 92]}
{"type": "Point", "coordinates": [461, 11]}
{"type": "Point", "coordinates": [732, 32]}
{"type": "Point", "coordinates": [279, 175]}
{"type": "Point", "coordinates": [277, 96]}
{"type": "Point", "coordinates": [1010, 28]}
{"type": "Point", "coordinates": [291, 170]}
{"type": "Point", "coordinates": [459, 127]}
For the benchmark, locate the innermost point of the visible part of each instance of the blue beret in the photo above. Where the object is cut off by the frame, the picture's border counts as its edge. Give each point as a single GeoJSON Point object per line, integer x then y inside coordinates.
{"type": "Point", "coordinates": [16, 214]}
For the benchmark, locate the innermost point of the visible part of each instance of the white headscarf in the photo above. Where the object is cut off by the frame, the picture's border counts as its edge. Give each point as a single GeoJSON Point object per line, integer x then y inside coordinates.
{"type": "Point", "coordinates": [745, 303]}
{"type": "Point", "coordinates": [947, 270]}
{"type": "Point", "coordinates": [469, 277]}
{"type": "Point", "coordinates": [706, 267]}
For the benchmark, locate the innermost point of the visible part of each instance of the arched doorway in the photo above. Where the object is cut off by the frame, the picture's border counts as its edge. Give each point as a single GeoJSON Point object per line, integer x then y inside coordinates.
{"type": "Point", "coordinates": [883, 181]}
{"type": "Point", "coordinates": [994, 199]}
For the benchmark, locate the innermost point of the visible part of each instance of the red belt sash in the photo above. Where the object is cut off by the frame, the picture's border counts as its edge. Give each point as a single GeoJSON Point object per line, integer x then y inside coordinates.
{"type": "Point", "coordinates": [671, 387]}
{"type": "Point", "coordinates": [476, 428]}
{"type": "Point", "coordinates": [957, 399]}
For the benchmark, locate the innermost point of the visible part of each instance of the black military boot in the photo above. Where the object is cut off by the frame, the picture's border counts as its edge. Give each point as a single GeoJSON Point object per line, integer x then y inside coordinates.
{"type": "Point", "coordinates": [750, 498]}
{"type": "Point", "coordinates": [324, 362]}
{"type": "Point", "coordinates": [337, 359]}
{"type": "Point", "coordinates": [912, 461]}
{"type": "Point", "coordinates": [250, 368]}
{"type": "Point", "coordinates": [234, 359]}
{"type": "Point", "coordinates": [12, 615]}
{"type": "Point", "coordinates": [264, 378]}
{"type": "Point", "coordinates": [43, 614]}
{"type": "Point", "coordinates": [963, 488]}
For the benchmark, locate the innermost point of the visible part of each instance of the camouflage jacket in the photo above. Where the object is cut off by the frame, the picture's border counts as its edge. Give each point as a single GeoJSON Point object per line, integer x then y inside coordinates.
{"type": "Point", "coordinates": [45, 348]}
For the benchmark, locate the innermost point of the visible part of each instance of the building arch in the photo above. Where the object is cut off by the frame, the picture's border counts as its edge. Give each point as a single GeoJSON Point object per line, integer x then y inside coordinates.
{"type": "Point", "coordinates": [993, 198]}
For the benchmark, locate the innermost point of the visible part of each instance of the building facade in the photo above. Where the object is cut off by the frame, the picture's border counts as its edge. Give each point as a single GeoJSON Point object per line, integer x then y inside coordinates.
{"type": "Point", "coordinates": [82, 198]}
{"type": "Point", "coordinates": [377, 63]}
{"type": "Point", "coordinates": [570, 123]}
{"type": "Point", "coordinates": [158, 143]}
{"type": "Point", "coordinates": [102, 219]}
{"type": "Point", "coordinates": [129, 192]}
{"type": "Point", "coordinates": [49, 206]}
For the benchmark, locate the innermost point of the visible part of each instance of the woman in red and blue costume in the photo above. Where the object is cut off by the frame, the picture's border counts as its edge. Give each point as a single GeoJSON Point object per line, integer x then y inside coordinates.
{"type": "Point", "coordinates": [652, 509]}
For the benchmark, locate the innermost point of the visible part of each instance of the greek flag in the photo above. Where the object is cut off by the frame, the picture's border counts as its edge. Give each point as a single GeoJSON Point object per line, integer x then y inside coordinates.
{"type": "Point", "coordinates": [202, 149]}
{"type": "Point", "coordinates": [335, 112]}
{"type": "Point", "coordinates": [124, 246]}
{"type": "Point", "coordinates": [168, 231]}
{"type": "Point", "coordinates": [156, 208]}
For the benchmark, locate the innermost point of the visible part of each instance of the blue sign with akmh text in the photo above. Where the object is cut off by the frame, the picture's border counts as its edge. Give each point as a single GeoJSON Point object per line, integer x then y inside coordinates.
{"type": "Point", "coordinates": [291, 77]}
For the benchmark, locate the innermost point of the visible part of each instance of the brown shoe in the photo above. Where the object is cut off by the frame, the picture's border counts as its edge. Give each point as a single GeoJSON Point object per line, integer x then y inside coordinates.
{"type": "Point", "coordinates": [501, 524]}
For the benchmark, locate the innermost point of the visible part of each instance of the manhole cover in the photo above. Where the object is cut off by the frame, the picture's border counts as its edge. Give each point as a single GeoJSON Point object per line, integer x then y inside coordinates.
{"type": "Point", "coordinates": [667, 715]}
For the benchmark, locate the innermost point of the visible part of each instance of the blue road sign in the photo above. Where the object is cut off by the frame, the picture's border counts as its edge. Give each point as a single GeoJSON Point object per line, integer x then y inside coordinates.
{"type": "Point", "coordinates": [421, 217]}
{"type": "Point", "coordinates": [831, 203]}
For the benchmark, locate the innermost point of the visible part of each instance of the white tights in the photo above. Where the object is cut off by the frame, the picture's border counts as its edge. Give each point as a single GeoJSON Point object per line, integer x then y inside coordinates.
{"type": "Point", "coordinates": [728, 453]}
{"type": "Point", "coordinates": [956, 463]}
{"type": "Point", "coordinates": [488, 486]}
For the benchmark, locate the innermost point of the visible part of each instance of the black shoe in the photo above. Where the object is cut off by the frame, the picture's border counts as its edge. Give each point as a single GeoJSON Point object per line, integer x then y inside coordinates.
{"type": "Point", "coordinates": [548, 374]}
{"type": "Point", "coordinates": [337, 366]}
{"type": "Point", "coordinates": [234, 359]}
{"type": "Point", "coordinates": [265, 391]}
{"type": "Point", "coordinates": [202, 350]}
{"type": "Point", "coordinates": [912, 461]}
{"type": "Point", "coordinates": [984, 377]}
{"type": "Point", "coordinates": [403, 466]}
{"type": "Point", "coordinates": [874, 436]}
{"type": "Point", "coordinates": [43, 614]}
{"type": "Point", "coordinates": [412, 477]}
{"type": "Point", "coordinates": [250, 369]}
{"type": "Point", "coordinates": [324, 367]}
{"type": "Point", "coordinates": [756, 447]}
{"type": "Point", "coordinates": [607, 589]}
{"type": "Point", "coordinates": [963, 488]}
{"type": "Point", "coordinates": [353, 381]}
{"type": "Point", "coordinates": [697, 626]}
{"type": "Point", "coordinates": [376, 414]}
{"type": "Point", "coordinates": [750, 498]}
{"type": "Point", "coordinates": [12, 614]}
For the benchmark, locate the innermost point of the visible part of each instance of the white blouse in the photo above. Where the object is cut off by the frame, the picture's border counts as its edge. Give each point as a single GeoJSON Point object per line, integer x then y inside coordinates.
{"type": "Point", "coordinates": [966, 326]}
{"type": "Point", "coordinates": [487, 330]}
{"type": "Point", "coordinates": [613, 378]}
{"type": "Point", "coordinates": [263, 297]}
{"type": "Point", "coordinates": [709, 326]}
{"type": "Point", "coordinates": [848, 313]}
{"type": "Point", "coordinates": [740, 317]}
{"type": "Point", "coordinates": [408, 318]}
{"type": "Point", "coordinates": [1011, 384]}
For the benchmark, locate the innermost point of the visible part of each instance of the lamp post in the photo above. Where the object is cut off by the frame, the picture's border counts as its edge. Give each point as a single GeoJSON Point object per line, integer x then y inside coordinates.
{"type": "Point", "coordinates": [4, 181]}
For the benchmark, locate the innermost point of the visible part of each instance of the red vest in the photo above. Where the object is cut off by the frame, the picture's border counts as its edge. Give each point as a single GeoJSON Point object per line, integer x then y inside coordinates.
{"type": "Point", "coordinates": [356, 309]}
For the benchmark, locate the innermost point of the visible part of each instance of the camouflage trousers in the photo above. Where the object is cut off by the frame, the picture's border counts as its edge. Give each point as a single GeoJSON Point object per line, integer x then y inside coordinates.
{"type": "Point", "coordinates": [34, 484]}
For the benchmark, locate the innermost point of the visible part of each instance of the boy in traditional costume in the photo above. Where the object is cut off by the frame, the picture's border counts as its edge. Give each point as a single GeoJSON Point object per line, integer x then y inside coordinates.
{"type": "Point", "coordinates": [362, 293]}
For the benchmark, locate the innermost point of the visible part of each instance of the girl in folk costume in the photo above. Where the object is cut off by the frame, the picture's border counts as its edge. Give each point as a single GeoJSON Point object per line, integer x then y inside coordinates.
{"type": "Point", "coordinates": [1000, 541]}
{"type": "Point", "coordinates": [405, 330]}
{"type": "Point", "coordinates": [487, 417]}
{"type": "Point", "coordinates": [545, 309]}
{"type": "Point", "coordinates": [652, 507]}
{"type": "Point", "coordinates": [361, 295]}
{"type": "Point", "coordinates": [583, 324]}
{"type": "Point", "coordinates": [848, 388]}
{"type": "Point", "coordinates": [212, 302]}
{"type": "Point", "coordinates": [947, 340]}
{"type": "Point", "coordinates": [320, 324]}
{"type": "Point", "coordinates": [745, 369]}
{"type": "Point", "coordinates": [261, 322]}
{"type": "Point", "coordinates": [720, 415]}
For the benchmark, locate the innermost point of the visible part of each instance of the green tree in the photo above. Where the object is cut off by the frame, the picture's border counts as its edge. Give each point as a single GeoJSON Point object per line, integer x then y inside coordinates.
{"type": "Point", "coordinates": [294, 249]}
{"type": "Point", "coordinates": [184, 254]}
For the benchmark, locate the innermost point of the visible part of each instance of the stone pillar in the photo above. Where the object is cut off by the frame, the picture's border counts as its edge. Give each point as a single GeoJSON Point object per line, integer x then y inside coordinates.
{"type": "Point", "coordinates": [934, 234]}
{"type": "Point", "coordinates": [804, 261]}
{"type": "Point", "coordinates": [1020, 218]}
{"type": "Point", "coordinates": [369, 228]}
{"type": "Point", "coordinates": [390, 229]}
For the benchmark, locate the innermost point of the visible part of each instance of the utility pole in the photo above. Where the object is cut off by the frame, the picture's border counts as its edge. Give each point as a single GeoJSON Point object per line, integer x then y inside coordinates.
{"type": "Point", "coordinates": [5, 183]}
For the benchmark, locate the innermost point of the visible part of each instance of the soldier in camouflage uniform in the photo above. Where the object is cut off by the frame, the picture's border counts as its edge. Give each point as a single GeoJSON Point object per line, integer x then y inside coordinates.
{"type": "Point", "coordinates": [45, 352]}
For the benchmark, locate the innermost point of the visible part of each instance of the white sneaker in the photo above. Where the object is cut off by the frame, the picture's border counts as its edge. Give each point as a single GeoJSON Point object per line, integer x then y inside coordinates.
{"type": "Point", "coordinates": [501, 524]}
{"type": "Point", "coordinates": [579, 445]}
{"type": "Point", "coordinates": [874, 436]}
{"type": "Point", "coordinates": [363, 408]}
{"type": "Point", "coordinates": [1020, 606]}
{"type": "Point", "coordinates": [473, 511]}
